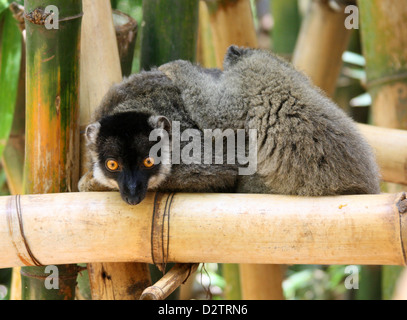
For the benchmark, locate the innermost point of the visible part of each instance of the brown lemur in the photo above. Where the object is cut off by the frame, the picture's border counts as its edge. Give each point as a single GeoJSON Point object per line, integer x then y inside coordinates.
{"type": "Point", "coordinates": [306, 145]}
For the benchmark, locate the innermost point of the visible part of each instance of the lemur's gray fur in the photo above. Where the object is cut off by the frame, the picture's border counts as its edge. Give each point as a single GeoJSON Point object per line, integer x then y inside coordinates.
{"type": "Point", "coordinates": [306, 145]}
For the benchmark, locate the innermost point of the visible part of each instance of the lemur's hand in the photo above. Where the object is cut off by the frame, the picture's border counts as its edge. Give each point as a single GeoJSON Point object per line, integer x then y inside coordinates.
{"type": "Point", "coordinates": [88, 183]}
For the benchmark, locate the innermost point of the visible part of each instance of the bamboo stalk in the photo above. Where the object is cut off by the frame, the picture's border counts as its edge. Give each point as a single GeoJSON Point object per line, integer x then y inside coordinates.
{"type": "Point", "coordinates": [52, 135]}
{"type": "Point", "coordinates": [273, 229]}
{"type": "Point", "coordinates": [322, 40]}
{"type": "Point", "coordinates": [287, 22]}
{"type": "Point", "coordinates": [205, 51]}
{"type": "Point", "coordinates": [224, 14]}
{"type": "Point", "coordinates": [118, 281]}
{"type": "Point", "coordinates": [383, 40]}
{"type": "Point", "coordinates": [100, 68]}
{"type": "Point", "coordinates": [170, 31]}
{"type": "Point", "coordinates": [231, 23]}
{"type": "Point", "coordinates": [390, 146]}
{"type": "Point", "coordinates": [233, 288]}
{"type": "Point", "coordinates": [401, 288]}
{"type": "Point", "coordinates": [126, 34]}
{"type": "Point", "coordinates": [255, 288]}
{"type": "Point", "coordinates": [178, 274]}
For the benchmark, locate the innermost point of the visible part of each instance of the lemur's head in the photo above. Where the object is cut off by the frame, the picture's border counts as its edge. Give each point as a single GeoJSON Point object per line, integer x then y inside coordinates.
{"type": "Point", "coordinates": [122, 156]}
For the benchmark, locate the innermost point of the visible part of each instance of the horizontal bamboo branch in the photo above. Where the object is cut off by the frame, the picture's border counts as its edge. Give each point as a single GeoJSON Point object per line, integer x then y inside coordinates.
{"type": "Point", "coordinates": [224, 228]}
{"type": "Point", "coordinates": [390, 146]}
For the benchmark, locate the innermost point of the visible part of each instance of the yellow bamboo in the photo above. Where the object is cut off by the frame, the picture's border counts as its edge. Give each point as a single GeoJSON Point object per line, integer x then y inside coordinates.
{"type": "Point", "coordinates": [263, 229]}
{"type": "Point", "coordinates": [255, 288]}
{"type": "Point", "coordinates": [170, 282]}
{"type": "Point", "coordinates": [231, 23]}
{"type": "Point", "coordinates": [400, 293]}
{"type": "Point", "coordinates": [322, 40]}
{"type": "Point", "coordinates": [390, 146]}
{"type": "Point", "coordinates": [100, 68]}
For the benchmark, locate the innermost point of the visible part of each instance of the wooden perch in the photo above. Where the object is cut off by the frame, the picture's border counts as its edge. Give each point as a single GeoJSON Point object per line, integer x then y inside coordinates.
{"type": "Point", "coordinates": [171, 281]}
{"type": "Point", "coordinates": [224, 228]}
{"type": "Point", "coordinates": [390, 147]}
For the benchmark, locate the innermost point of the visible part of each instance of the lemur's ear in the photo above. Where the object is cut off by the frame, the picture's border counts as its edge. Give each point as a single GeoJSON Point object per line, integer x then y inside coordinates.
{"type": "Point", "coordinates": [233, 55]}
{"type": "Point", "coordinates": [160, 122]}
{"type": "Point", "coordinates": [92, 132]}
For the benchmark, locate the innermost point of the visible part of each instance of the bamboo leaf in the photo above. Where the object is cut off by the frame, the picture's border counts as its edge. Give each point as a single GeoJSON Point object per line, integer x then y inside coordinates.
{"type": "Point", "coordinates": [9, 73]}
{"type": "Point", "coordinates": [3, 5]}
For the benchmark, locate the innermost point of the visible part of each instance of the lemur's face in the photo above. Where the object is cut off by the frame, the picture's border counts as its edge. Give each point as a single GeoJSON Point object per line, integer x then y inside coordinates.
{"type": "Point", "coordinates": [121, 154]}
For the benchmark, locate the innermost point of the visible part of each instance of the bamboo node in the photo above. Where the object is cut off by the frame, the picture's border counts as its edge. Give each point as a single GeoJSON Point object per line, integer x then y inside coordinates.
{"type": "Point", "coordinates": [160, 231]}
{"type": "Point", "coordinates": [16, 230]}
{"type": "Point", "coordinates": [402, 203]}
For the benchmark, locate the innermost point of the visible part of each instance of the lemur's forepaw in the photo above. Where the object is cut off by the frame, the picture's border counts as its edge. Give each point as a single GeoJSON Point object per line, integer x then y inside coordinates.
{"type": "Point", "coordinates": [88, 183]}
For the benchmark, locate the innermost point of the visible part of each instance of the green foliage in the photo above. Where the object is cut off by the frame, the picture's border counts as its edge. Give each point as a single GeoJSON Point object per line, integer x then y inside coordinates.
{"type": "Point", "coordinates": [9, 71]}
{"type": "Point", "coordinates": [312, 282]}
{"type": "Point", "coordinates": [5, 280]}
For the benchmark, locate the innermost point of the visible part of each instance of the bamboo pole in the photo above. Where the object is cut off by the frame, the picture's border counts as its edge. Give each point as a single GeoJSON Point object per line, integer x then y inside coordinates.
{"type": "Point", "coordinates": [384, 34]}
{"type": "Point", "coordinates": [224, 14]}
{"type": "Point", "coordinates": [178, 274]}
{"type": "Point", "coordinates": [322, 40]}
{"type": "Point", "coordinates": [400, 292]}
{"type": "Point", "coordinates": [385, 49]}
{"type": "Point", "coordinates": [255, 288]}
{"type": "Point", "coordinates": [287, 22]}
{"type": "Point", "coordinates": [52, 132]}
{"type": "Point", "coordinates": [233, 288]}
{"type": "Point", "coordinates": [126, 33]}
{"type": "Point", "coordinates": [231, 23]}
{"type": "Point", "coordinates": [205, 51]}
{"type": "Point", "coordinates": [390, 146]}
{"type": "Point", "coordinates": [100, 68]}
{"type": "Point", "coordinates": [170, 31]}
{"type": "Point", "coordinates": [263, 229]}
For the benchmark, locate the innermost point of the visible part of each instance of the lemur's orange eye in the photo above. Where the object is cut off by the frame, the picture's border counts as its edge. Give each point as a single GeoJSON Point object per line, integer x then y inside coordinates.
{"type": "Point", "coordinates": [112, 165]}
{"type": "Point", "coordinates": [149, 162]}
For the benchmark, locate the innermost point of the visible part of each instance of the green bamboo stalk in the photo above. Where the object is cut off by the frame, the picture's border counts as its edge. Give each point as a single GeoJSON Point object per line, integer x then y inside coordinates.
{"type": "Point", "coordinates": [52, 130]}
{"type": "Point", "coordinates": [287, 22]}
{"type": "Point", "coordinates": [384, 30]}
{"type": "Point", "coordinates": [231, 274]}
{"type": "Point", "coordinates": [386, 64]}
{"type": "Point", "coordinates": [170, 31]}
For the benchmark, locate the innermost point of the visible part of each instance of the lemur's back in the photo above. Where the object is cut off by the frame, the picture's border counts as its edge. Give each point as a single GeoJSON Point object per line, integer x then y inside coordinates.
{"type": "Point", "coordinates": [306, 144]}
